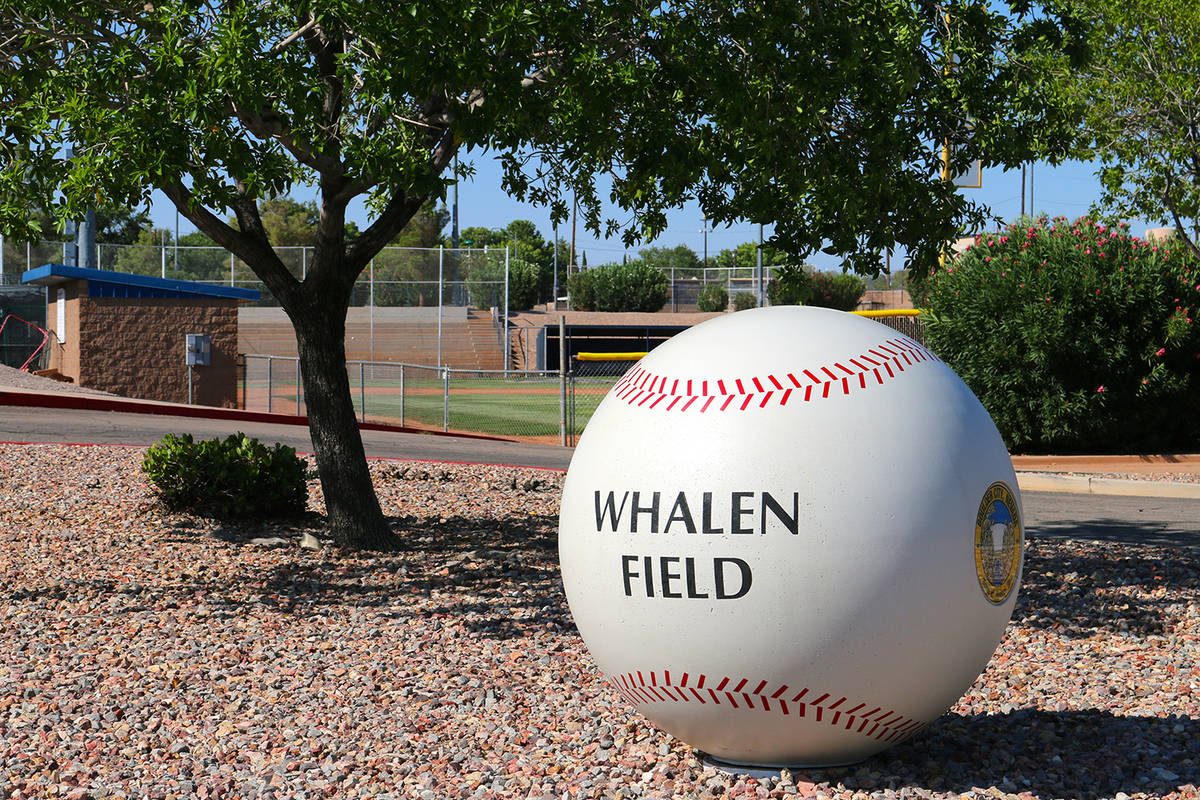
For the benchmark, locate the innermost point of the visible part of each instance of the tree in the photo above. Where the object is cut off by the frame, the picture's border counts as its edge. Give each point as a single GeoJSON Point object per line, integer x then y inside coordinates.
{"type": "Point", "coordinates": [1143, 116]}
{"type": "Point", "coordinates": [406, 273]}
{"type": "Point", "coordinates": [744, 257]}
{"type": "Point", "coordinates": [817, 117]}
{"type": "Point", "coordinates": [680, 258]}
{"type": "Point", "coordinates": [199, 258]}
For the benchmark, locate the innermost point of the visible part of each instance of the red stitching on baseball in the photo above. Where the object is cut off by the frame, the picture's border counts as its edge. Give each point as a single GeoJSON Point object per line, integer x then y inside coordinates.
{"type": "Point", "coordinates": [889, 727]}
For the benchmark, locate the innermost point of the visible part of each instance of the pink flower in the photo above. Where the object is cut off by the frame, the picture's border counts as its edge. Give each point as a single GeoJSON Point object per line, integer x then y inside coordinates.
{"type": "Point", "coordinates": [1145, 381]}
{"type": "Point", "coordinates": [1102, 388]}
{"type": "Point", "coordinates": [1161, 350]}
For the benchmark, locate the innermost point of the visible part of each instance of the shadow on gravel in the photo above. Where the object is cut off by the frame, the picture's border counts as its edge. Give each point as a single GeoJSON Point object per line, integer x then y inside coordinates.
{"type": "Point", "coordinates": [1120, 531]}
{"type": "Point", "coordinates": [498, 577]}
{"type": "Point", "coordinates": [1080, 590]}
{"type": "Point", "coordinates": [1077, 754]}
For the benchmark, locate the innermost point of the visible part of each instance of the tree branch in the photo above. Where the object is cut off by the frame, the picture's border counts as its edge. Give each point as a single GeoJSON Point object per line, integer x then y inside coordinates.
{"type": "Point", "coordinates": [268, 125]}
{"type": "Point", "coordinates": [254, 250]}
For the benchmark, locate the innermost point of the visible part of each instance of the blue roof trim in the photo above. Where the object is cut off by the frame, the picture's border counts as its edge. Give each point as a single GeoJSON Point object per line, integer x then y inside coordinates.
{"type": "Point", "coordinates": [135, 285]}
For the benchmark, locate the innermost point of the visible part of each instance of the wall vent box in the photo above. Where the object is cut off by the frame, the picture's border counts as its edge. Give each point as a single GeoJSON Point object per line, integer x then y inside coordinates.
{"type": "Point", "coordinates": [199, 350]}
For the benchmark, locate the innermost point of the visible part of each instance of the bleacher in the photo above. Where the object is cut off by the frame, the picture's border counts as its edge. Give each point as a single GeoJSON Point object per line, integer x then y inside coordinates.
{"type": "Point", "coordinates": [407, 335]}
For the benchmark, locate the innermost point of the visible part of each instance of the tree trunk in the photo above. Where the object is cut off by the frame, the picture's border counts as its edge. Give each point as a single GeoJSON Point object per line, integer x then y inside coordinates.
{"type": "Point", "coordinates": [355, 518]}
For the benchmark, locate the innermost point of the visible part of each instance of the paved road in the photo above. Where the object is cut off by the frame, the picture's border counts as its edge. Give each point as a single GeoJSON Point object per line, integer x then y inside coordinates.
{"type": "Point", "coordinates": [24, 424]}
{"type": "Point", "coordinates": [1110, 518]}
{"type": "Point", "coordinates": [1079, 516]}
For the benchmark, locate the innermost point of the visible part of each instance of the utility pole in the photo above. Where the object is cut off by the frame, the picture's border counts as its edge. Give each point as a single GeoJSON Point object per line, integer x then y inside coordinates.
{"type": "Point", "coordinates": [1022, 190]}
{"type": "Point", "coordinates": [454, 212]}
{"type": "Point", "coordinates": [759, 265]}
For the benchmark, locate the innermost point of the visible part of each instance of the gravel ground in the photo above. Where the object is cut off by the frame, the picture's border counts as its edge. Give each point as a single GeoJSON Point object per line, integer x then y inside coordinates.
{"type": "Point", "coordinates": [12, 378]}
{"type": "Point", "coordinates": [147, 654]}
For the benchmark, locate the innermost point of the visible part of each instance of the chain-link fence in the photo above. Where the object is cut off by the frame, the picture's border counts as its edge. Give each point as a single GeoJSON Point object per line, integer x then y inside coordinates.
{"type": "Point", "coordinates": [539, 406]}
{"type": "Point", "coordinates": [397, 276]}
{"type": "Point", "coordinates": [24, 341]}
{"type": "Point", "coordinates": [525, 405]}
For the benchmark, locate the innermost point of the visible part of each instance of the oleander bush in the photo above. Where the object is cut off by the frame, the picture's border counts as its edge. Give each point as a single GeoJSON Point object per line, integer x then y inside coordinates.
{"type": "Point", "coordinates": [1076, 336]}
{"type": "Point", "coordinates": [619, 287]}
{"type": "Point", "coordinates": [712, 298]}
{"type": "Point", "coordinates": [841, 291]}
{"type": "Point", "coordinates": [235, 477]}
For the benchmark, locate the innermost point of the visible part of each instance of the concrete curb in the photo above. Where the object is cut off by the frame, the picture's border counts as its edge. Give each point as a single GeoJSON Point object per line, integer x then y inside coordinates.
{"type": "Point", "coordinates": [1086, 484]}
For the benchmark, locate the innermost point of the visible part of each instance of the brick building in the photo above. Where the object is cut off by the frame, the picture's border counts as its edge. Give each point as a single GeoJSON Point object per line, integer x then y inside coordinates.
{"type": "Point", "coordinates": [127, 334]}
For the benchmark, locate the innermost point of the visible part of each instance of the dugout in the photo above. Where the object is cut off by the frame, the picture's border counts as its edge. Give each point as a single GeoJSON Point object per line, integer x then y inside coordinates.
{"type": "Point", "coordinates": [142, 336]}
{"type": "Point", "coordinates": [593, 338]}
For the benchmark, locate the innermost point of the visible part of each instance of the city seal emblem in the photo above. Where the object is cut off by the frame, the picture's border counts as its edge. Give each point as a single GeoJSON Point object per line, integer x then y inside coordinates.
{"type": "Point", "coordinates": [998, 542]}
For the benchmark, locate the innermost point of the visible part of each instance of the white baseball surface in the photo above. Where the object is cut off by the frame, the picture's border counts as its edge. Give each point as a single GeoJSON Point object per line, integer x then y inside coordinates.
{"type": "Point", "coordinates": [791, 537]}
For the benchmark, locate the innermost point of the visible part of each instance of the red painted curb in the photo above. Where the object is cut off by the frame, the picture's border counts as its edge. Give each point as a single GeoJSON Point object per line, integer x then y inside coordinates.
{"type": "Point", "coordinates": [81, 402]}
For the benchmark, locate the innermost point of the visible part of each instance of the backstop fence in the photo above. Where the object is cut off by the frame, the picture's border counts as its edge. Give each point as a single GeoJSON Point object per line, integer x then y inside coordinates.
{"type": "Point", "coordinates": [397, 276]}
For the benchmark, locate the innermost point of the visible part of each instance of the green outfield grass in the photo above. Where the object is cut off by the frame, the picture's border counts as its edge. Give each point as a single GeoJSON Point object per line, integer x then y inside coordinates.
{"type": "Point", "coordinates": [505, 411]}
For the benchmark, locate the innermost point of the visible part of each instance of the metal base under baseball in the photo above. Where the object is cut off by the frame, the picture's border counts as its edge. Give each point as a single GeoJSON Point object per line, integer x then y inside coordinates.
{"type": "Point", "coordinates": [791, 536]}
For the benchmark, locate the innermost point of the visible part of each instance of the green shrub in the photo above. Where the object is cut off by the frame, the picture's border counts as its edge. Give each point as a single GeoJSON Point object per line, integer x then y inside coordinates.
{"type": "Point", "coordinates": [713, 298]}
{"type": "Point", "coordinates": [619, 287]}
{"type": "Point", "coordinates": [1075, 336]}
{"type": "Point", "coordinates": [841, 291]}
{"type": "Point", "coordinates": [743, 301]}
{"type": "Point", "coordinates": [790, 286]}
{"type": "Point", "coordinates": [234, 477]}
{"type": "Point", "coordinates": [485, 284]}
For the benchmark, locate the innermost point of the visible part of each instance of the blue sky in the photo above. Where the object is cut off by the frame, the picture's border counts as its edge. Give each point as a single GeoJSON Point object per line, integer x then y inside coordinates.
{"type": "Point", "coordinates": [1069, 190]}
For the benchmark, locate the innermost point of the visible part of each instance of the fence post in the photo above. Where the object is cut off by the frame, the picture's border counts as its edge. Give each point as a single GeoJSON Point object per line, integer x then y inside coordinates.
{"type": "Point", "coordinates": [445, 400]}
{"type": "Point", "coordinates": [270, 389]}
{"type": "Point", "coordinates": [571, 377]}
{"type": "Point", "coordinates": [562, 380]}
{"type": "Point", "coordinates": [362, 392]}
{"type": "Point", "coordinates": [507, 346]}
{"type": "Point", "coordinates": [441, 300]}
{"type": "Point", "coordinates": [1, 259]}
{"type": "Point", "coordinates": [673, 309]}
{"type": "Point", "coordinates": [401, 395]}
{"type": "Point", "coordinates": [299, 388]}
{"type": "Point", "coordinates": [231, 269]}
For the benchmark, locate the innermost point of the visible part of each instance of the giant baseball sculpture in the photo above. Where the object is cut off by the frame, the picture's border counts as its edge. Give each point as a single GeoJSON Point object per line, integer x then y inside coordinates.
{"type": "Point", "coordinates": [791, 537]}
